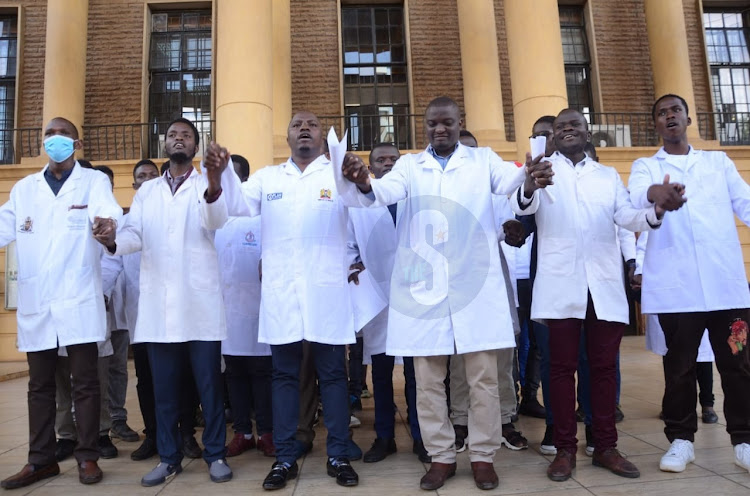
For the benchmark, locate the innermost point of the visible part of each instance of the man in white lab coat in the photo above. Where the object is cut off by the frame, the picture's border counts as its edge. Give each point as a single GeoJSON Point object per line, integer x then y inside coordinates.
{"type": "Point", "coordinates": [447, 290]}
{"type": "Point", "coordinates": [248, 362]}
{"type": "Point", "coordinates": [60, 300]}
{"type": "Point", "coordinates": [304, 293]}
{"type": "Point", "coordinates": [579, 283]}
{"type": "Point", "coordinates": [694, 279]}
{"type": "Point", "coordinates": [180, 310]}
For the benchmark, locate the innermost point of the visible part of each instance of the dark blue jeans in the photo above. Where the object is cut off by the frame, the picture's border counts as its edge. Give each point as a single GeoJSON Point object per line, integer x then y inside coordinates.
{"type": "Point", "coordinates": [382, 388]}
{"type": "Point", "coordinates": [168, 362]}
{"type": "Point", "coordinates": [330, 364]}
{"type": "Point", "coordinates": [249, 384]}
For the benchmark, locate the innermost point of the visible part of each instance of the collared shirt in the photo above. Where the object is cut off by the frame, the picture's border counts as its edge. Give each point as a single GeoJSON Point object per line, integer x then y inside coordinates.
{"type": "Point", "coordinates": [54, 183]}
{"type": "Point", "coordinates": [443, 161]}
{"type": "Point", "coordinates": [176, 182]}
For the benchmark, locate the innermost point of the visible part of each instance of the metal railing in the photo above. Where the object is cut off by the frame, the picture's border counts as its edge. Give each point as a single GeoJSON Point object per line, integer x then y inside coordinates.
{"type": "Point", "coordinates": [135, 141]}
{"type": "Point", "coordinates": [622, 129]}
{"type": "Point", "coordinates": [729, 128]}
{"type": "Point", "coordinates": [18, 143]}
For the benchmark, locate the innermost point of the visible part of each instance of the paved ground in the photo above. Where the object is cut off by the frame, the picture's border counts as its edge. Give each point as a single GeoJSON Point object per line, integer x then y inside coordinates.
{"type": "Point", "coordinates": [641, 438]}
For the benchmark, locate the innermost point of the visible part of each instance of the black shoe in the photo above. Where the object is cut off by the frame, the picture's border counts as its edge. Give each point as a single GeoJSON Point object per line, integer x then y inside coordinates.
{"type": "Point", "coordinates": [145, 451]}
{"type": "Point", "coordinates": [121, 429]}
{"type": "Point", "coordinates": [190, 447]}
{"type": "Point", "coordinates": [342, 470]}
{"type": "Point", "coordinates": [708, 416]}
{"type": "Point", "coordinates": [64, 449]}
{"type": "Point", "coordinates": [532, 408]}
{"type": "Point", "coordinates": [106, 448]}
{"type": "Point", "coordinates": [279, 474]}
{"type": "Point", "coordinates": [418, 449]}
{"type": "Point", "coordinates": [381, 448]}
{"type": "Point", "coordinates": [462, 432]}
{"type": "Point", "coordinates": [619, 416]}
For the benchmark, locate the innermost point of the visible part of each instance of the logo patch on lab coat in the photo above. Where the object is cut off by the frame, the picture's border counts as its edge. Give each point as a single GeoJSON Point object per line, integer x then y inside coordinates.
{"type": "Point", "coordinates": [325, 195]}
{"type": "Point", "coordinates": [274, 196]}
{"type": "Point", "coordinates": [250, 239]}
{"type": "Point", "coordinates": [27, 226]}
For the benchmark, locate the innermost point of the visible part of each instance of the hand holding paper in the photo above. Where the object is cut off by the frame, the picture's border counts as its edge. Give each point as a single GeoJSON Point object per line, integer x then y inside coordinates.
{"type": "Point", "coordinates": [541, 173]}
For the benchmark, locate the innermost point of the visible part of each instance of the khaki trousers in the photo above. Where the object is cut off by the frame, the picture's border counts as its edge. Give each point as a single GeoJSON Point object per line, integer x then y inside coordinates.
{"type": "Point", "coordinates": [483, 416]}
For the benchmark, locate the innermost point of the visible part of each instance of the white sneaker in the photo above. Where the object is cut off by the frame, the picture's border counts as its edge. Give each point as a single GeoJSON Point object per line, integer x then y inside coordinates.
{"type": "Point", "coordinates": [354, 421]}
{"type": "Point", "coordinates": [742, 456]}
{"type": "Point", "coordinates": [679, 455]}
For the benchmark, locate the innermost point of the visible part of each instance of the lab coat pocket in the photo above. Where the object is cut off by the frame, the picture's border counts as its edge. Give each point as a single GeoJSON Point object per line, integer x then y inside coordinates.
{"type": "Point", "coordinates": [606, 262]}
{"type": "Point", "coordinates": [557, 257]}
{"type": "Point", "coordinates": [77, 219]}
{"type": "Point", "coordinates": [28, 296]}
{"type": "Point", "coordinates": [203, 271]}
{"type": "Point", "coordinates": [79, 286]}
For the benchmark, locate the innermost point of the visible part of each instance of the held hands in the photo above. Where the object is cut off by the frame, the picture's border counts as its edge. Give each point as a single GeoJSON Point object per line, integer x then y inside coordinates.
{"type": "Point", "coordinates": [538, 174]}
{"type": "Point", "coordinates": [666, 196]}
{"type": "Point", "coordinates": [355, 170]}
{"type": "Point", "coordinates": [104, 231]}
{"type": "Point", "coordinates": [515, 234]}
{"type": "Point", "coordinates": [635, 281]}
{"type": "Point", "coordinates": [354, 276]}
{"type": "Point", "coordinates": [215, 161]}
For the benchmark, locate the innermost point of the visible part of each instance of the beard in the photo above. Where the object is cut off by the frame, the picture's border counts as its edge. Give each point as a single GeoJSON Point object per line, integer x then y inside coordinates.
{"type": "Point", "coordinates": [180, 157]}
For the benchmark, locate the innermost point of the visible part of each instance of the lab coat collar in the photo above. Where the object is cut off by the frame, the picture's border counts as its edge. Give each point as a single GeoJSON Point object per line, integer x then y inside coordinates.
{"type": "Point", "coordinates": [693, 156]}
{"type": "Point", "coordinates": [67, 186]}
{"type": "Point", "coordinates": [319, 163]}
{"type": "Point", "coordinates": [427, 161]}
{"type": "Point", "coordinates": [589, 164]}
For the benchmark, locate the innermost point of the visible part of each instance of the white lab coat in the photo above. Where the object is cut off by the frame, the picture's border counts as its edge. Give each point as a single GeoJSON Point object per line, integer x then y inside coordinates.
{"type": "Point", "coordinates": [655, 341]}
{"type": "Point", "coordinates": [238, 247]}
{"type": "Point", "coordinates": [694, 263]}
{"type": "Point", "coordinates": [375, 235]}
{"type": "Point", "coordinates": [180, 296]}
{"type": "Point", "coordinates": [577, 240]}
{"type": "Point", "coordinates": [451, 298]}
{"type": "Point", "coordinates": [306, 254]}
{"type": "Point", "coordinates": [59, 272]}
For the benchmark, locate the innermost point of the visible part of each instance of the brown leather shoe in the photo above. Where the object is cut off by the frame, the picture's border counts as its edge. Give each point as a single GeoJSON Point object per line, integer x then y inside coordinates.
{"type": "Point", "coordinates": [612, 460]}
{"type": "Point", "coordinates": [436, 476]}
{"type": "Point", "coordinates": [562, 466]}
{"type": "Point", "coordinates": [484, 475]}
{"type": "Point", "coordinates": [29, 474]}
{"type": "Point", "coordinates": [89, 472]}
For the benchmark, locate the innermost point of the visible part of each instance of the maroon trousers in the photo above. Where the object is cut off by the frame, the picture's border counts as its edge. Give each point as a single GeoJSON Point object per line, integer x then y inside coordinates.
{"type": "Point", "coordinates": [602, 343]}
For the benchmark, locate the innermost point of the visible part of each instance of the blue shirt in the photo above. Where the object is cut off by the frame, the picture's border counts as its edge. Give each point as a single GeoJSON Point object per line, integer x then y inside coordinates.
{"type": "Point", "coordinates": [54, 183]}
{"type": "Point", "coordinates": [443, 161]}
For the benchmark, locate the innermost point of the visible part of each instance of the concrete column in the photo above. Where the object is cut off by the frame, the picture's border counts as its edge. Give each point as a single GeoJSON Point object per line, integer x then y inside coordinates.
{"type": "Point", "coordinates": [670, 59]}
{"type": "Point", "coordinates": [65, 61]}
{"type": "Point", "coordinates": [244, 79]}
{"type": "Point", "coordinates": [483, 97]}
{"type": "Point", "coordinates": [537, 69]}
{"type": "Point", "coordinates": [282, 78]}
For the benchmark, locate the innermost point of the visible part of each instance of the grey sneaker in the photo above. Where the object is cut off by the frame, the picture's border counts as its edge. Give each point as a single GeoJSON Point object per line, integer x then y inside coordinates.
{"type": "Point", "coordinates": [160, 474]}
{"type": "Point", "coordinates": [220, 471]}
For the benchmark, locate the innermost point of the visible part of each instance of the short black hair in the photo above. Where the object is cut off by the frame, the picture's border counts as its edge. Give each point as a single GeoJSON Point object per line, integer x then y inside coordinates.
{"type": "Point", "coordinates": [669, 95]}
{"type": "Point", "coordinates": [107, 171]}
{"type": "Point", "coordinates": [164, 167]}
{"type": "Point", "coordinates": [466, 132]}
{"type": "Point", "coordinates": [189, 123]}
{"type": "Point", "coordinates": [443, 101]}
{"type": "Point", "coordinates": [244, 164]}
{"type": "Point", "coordinates": [76, 135]}
{"type": "Point", "coordinates": [145, 161]}
{"type": "Point", "coordinates": [546, 119]}
{"type": "Point", "coordinates": [382, 144]}
{"type": "Point", "coordinates": [85, 163]}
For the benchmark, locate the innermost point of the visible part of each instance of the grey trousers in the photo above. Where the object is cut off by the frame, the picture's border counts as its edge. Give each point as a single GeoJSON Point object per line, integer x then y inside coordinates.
{"type": "Point", "coordinates": [118, 375]}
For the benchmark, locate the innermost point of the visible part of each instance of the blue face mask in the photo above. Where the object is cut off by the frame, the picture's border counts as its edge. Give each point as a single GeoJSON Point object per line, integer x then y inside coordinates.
{"type": "Point", "coordinates": [59, 148]}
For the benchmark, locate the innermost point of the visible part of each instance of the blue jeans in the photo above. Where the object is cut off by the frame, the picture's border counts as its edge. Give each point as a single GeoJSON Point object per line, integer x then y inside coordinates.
{"type": "Point", "coordinates": [382, 388]}
{"type": "Point", "coordinates": [541, 334]}
{"type": "Point", "coordinates": [330, 364]}
{"type": "Point", "coordinates": [168, 362]}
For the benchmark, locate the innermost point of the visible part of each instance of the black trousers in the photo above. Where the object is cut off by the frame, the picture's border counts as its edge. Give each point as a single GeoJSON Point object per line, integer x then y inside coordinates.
{"type": "Point", "coordinates": [728, 332]}
{"type": "Point", "coordinates": [86, 399]}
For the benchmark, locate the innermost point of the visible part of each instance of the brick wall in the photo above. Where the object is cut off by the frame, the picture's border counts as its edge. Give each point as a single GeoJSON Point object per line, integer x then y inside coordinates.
{"type": "Point", "coordinates": [114, 62]}
{"type": "Point", "coordinates": [31, 63]}
{"type": "Point", "coordinates": [316, 70]}
{"type": "Point", "coordinates": [625, 74]}
{"type": "Point", "coordinates": [699, 63]}
{"type": "Point", "coordinates": [502, 53]}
